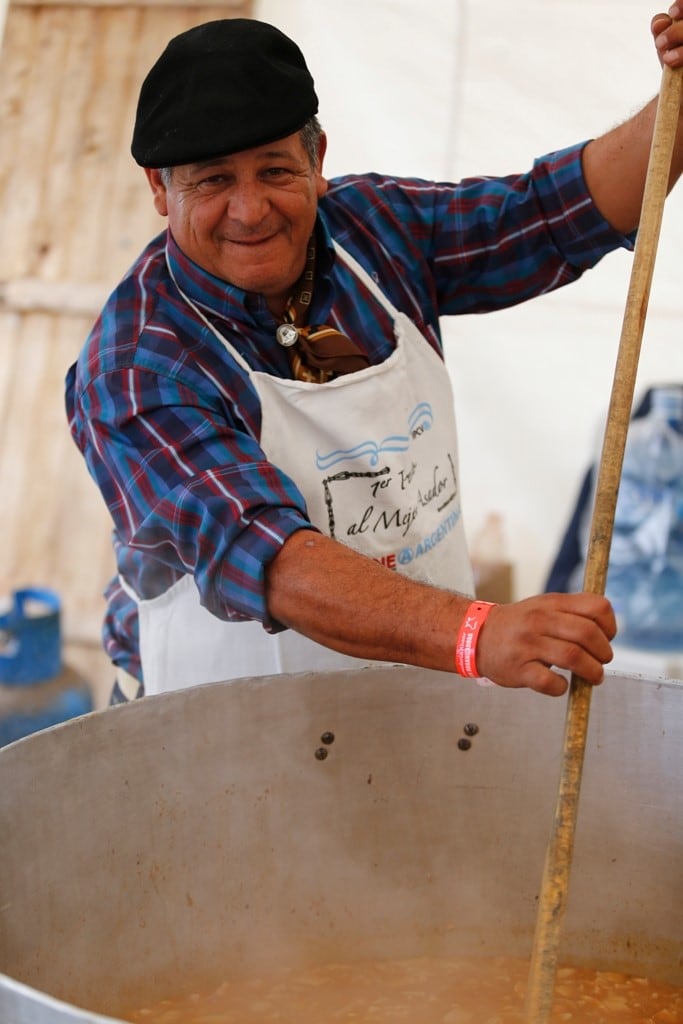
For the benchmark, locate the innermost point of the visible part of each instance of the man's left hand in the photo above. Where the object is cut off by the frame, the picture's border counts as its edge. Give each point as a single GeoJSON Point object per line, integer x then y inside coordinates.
{"type": "Point", "coordinates": [667, 30]}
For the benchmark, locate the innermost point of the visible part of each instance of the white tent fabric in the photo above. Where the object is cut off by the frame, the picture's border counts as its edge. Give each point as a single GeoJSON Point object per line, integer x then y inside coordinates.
{"type": "Point", "coordinates": [450, 88]}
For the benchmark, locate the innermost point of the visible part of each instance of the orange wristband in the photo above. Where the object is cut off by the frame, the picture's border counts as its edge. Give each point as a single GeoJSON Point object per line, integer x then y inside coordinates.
{"type": "Point", "coordinates": [468, 635]}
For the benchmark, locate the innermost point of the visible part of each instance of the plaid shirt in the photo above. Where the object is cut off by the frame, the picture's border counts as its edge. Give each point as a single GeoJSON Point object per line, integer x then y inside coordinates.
{"type": "Point", "coordinates": [169, 424]}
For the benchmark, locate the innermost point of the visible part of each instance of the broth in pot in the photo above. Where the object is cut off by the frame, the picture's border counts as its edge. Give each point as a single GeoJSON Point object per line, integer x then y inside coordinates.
{"type": "Point", "coordinates": [420, 991]}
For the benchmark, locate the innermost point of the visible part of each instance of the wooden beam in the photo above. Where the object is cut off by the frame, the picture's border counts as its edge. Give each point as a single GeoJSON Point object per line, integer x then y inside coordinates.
{"type": "Point", "coordinates": [229, 7]}
{"type": "Point", "coordinates": [31, 295]}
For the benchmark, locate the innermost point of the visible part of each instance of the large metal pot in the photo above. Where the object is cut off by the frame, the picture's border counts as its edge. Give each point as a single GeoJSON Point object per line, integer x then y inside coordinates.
{"type": "Point", "coordinates": [203, 833]}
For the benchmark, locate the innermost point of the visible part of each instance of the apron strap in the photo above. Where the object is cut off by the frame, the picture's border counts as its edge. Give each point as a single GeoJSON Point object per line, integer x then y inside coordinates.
{"type": "Point", "coordinates": [240, 360]}
{"type": "Point", "coordinates": [367, 280]}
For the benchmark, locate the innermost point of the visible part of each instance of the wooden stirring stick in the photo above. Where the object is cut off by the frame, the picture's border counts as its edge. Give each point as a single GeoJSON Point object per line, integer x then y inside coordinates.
{"type": "Point", "coordinates": [553, 895]}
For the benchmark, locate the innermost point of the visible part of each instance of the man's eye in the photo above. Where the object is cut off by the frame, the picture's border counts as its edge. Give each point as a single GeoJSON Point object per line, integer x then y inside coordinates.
{"type": "Point", "coordinates": [212, 181]}
{"type": "Point", "coordinates": [277, 172]}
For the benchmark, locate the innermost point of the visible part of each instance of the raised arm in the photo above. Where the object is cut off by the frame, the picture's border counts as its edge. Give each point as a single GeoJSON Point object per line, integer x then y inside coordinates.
{"type": "Point", "coordinates": [615, 164]}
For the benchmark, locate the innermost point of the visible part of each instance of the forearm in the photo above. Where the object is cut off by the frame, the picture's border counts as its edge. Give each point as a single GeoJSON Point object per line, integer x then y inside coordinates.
{"type": "Point", "coordinates": [354, 605]}
{"type": "Point", "coordinates": [615, 167]}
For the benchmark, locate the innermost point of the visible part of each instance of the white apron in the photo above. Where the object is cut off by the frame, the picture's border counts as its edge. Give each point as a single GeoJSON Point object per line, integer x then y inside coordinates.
{"type": "Point", "coordinates": [375, 455]}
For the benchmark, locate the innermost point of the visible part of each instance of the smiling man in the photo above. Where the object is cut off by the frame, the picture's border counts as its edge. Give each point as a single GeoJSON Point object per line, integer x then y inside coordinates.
{"type": "Point", "coordinates": [246, 218]}
{"type": "Point", "coordinates": [263, 401]}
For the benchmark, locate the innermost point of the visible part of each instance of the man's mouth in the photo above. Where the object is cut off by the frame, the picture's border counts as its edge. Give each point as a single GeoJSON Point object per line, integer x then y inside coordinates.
{"type": "Point", "coordinates": [262, 240]}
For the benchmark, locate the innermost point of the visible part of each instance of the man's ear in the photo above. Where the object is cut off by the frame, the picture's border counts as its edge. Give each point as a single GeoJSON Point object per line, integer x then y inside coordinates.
{"type": "Point", "coordinates": [321, 181]}
{"type": "Point", "coordinates": [156, 183]}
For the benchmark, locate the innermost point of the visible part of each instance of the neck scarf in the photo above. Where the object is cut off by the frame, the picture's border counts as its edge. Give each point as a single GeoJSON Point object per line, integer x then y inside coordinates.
{"type": "Point", "coordinates": [317, 353]}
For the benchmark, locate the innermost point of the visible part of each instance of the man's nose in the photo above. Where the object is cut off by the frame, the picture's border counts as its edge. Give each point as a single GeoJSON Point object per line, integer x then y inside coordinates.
{"type": "Point", "coordinates": [247, 203]}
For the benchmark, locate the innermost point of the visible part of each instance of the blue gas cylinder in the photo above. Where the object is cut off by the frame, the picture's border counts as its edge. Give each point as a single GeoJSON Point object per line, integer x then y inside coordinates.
{"type": "Point", "coordinates": [36, 689]}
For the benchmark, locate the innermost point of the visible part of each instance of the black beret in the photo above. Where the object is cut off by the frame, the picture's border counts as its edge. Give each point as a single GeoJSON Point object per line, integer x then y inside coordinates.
{"type": "Point", "coordinates": [220, 88]}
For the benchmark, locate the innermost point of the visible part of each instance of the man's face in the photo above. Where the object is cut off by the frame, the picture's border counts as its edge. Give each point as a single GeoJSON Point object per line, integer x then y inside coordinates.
{"type": "Point", "coordinates": [246, 218]}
